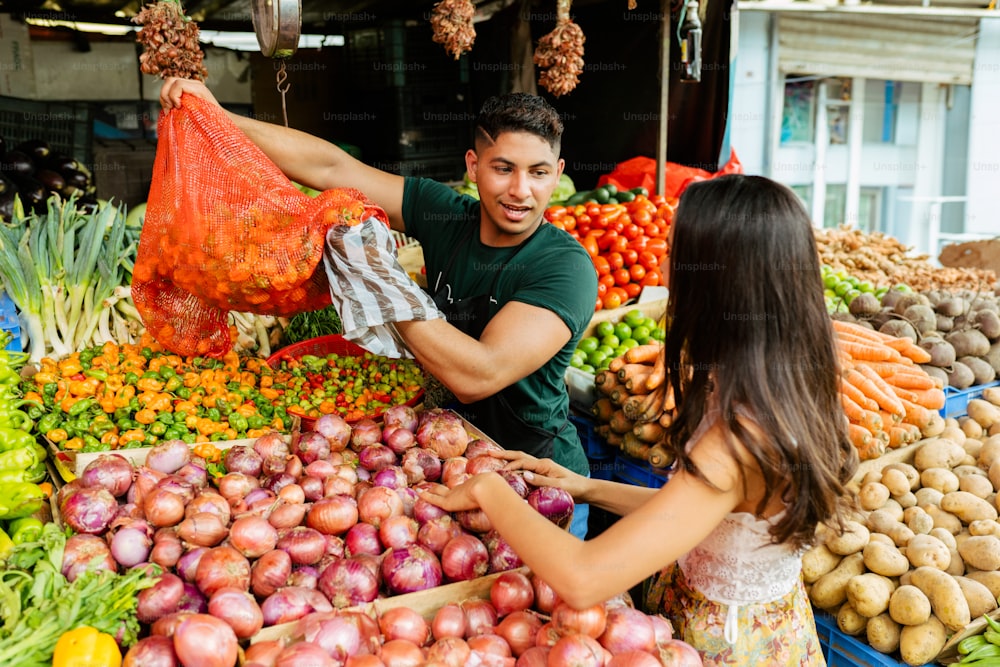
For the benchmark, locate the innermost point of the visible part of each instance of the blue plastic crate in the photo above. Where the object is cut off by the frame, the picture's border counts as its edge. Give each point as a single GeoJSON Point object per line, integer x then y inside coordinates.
{"type": "Point", "coordinates": [594, 445]}
{"type": "Point", "coordinates": [956, 401]}
{"type": "Point", "coordinates": [638, 473]}
{"type": "Point", "coordinates": [843, 650]}
{"type": "Point", "coordinates": [606, 469]}
{"type": "Point", "coordinates": [9, 322]}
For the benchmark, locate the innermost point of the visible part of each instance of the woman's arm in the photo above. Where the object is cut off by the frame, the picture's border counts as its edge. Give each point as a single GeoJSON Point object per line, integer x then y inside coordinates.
{"type": "Point", "coordinates": [670, 523]}
{"type": "Point", "coordinates": [302, 157]}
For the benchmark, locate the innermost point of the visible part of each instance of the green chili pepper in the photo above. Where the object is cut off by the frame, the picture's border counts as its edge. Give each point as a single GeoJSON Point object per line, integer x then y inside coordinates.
{"type": "Point", "coordinates": [173, 383]}
{"type": "Point", "coordinates": [92, 444]}
{"type": "Point", "coordinates": [147, 353]}
{"type": "Point", "coordinates": [18, 459]}
{"type": "Point", "coordinates": [87, 356]}
{"type": "Point", "coordinates": [165, 417]}
{"type": "Point", "coordinates": [255, 422]}
{"type": "Point", "coordinates": [49, 389]}
{"type": "Point", "coordinates": [157, 428]}
{"type": "Point", "coordinates": [49, 422]}
{"type": "Point", "coordinates": [184, 392]}
{"type": "Point", "coordinates": [134, 406]}
{"type": "Point", "coordinates": [189, 438]}
{"type": "Point", "coordinates": [173, 433]}
{"type": "Point", "coordinates": [98, 373]}
{"type": "Point", "coordinates": [36, 411]}
{"type": "Point", "coordinates": [18, 419]}
{"type": "Point", "coordinates": [101, 425]}
{"type": "Point", "coordinates": [131, 377]}
{"type": "Point", "coordinates": [238, 421]}
{"type": "Point", "coordinates": [81, 407]}
{"type": "Point", "coordinates": [213, 414]}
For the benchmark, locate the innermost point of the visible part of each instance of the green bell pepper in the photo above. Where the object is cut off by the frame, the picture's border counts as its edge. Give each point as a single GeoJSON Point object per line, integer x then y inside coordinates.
{"type": "Point", "coordinates": [49, 422]}
{"type": "Point", "coordinates": [12, 438]}
{"type": "Point", "coordinates": [20, 499]}
{"type": "Point", "coordinates": [25, 529]}
{"type": "Point", "coordinates": [21, 458]}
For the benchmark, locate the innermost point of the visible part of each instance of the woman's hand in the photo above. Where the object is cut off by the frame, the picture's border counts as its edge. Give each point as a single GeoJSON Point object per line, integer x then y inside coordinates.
{"type": "Point", "coordinates": [173, 88]}
{"type": "Point", "coordinates": [456, 499]}
{"type": "Point", "coordinates": [544, 472]}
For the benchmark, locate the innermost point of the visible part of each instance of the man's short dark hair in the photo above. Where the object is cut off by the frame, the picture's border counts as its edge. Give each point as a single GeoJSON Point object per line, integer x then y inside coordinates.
{"type": "Point", "coordinates": [519, 112]}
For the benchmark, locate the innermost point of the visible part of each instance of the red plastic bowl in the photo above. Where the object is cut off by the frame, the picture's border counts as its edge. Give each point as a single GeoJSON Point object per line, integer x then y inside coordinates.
{"type": "Point", "coordinates": [320, 347]}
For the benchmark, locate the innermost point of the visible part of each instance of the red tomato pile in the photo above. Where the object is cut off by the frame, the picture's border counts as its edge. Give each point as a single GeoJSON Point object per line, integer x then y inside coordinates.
{"type": "Point", "coordinates": [627, 243]}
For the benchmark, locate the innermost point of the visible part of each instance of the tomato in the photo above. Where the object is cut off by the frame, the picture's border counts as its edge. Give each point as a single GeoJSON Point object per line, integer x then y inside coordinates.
{"type": "Point", "coordinates": [633, 290]}
{"type": "Point", "coordinates": [636, 272]}
{"type": "Point", "coordinates": [558, 224]}
{"type": "Point", "coordinates": [615, 260]}
{"type": "Point", "coordinates": [590, 244]}
{"type": "Point", "coordinates": [581, 231]}
{"type": "Point", "coordinates": [630, 255]}
{"type": "Point", "coordinates": [620, 244]}
{"type": "Point", "coordinates": [583, 219]}
{"type": "Point", "coordinates": [602, 264]}
{"type": "Point", "coordinates": [639, 243]}
{"type": "Point", "coordinates": [642, 218]}
{"type": "Point", "coordinates": [607, 280]}
{"type": "Point", "coordinates": [593, 210]}
{"type": "Point", "coordinates": [652, 230]}
{"type": "Point", "coordinates": [598, 304]}
{"type": "Point", "coordinates": [607, 238]}
{"type": "Point", "coordinates": [657, 246]}
{"type": "Point", "coordinates": [657, 199]}
{"type": "Point", "coordinates": [652, 278]}
{"type": "Point", "coordinates": [621, 276]}
{"type": "Point", "coordinates": [602, 289]}
{"type": "Point", "coordinates": [611, 300]}
{"type": "Point", "coordinates": [554, 212]}
{"type": "Point", "coordinates": [631, 230]}
{"type": "Point", "coordinates": [579, 210]}
{"type": "Point", "coordinates": [648, 260]}
{"type": "Point", "coordinates": [620, 291]}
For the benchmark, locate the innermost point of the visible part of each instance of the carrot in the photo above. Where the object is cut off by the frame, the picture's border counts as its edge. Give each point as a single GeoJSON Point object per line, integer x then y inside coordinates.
{"type": "Point", "coordinates": [856, 395]}
{"type": "Point", "coordinates": [643, 354]}
{"type": "Point", "coordinates": [912, 381]}
{"type": "Point", "coordinates": [605, 381]}
{"type": "Point", "coordinates": [644, 407]}
{"type": "Point", "coordinates": [634, 447]}
{"type": "Point", "coordinates": [649, 432]}
{"type": "Point", "coordinates": [916, 414]}
{"type": "Point", "coordinates": [898, 437]}
{"type": "Point", "coordinates": [875, 388]}
{"type": "Point", "coordinates": [659, 456]}
{"type": "Point", "coordinates": [853, 411]}
{"type": "Point", "coordinates": [619, 395]}
{"type": "Point", "coordinates": [853, 329]}
{"type": "Point", "coordinates": [614, 439]}
{"type": "Point", "coordinates": [860, 436]}
{"type": "Point", "coordinates": [904, 393]}
{"type": "Point", "coordinates": [616, 364]}
{"type": "Point", "coordinates": [868, 351]}
{"type": "Point", "coordinates": [602, 409]}
{"type": "Point", "coordinates": [933, 398]}
{"type": "Point", "coordinates": [868, 446]}
{"type": "Point", "coordinates": [619, 423]}
{"type": "Point", "coordinates": [637, 383]}
{"type": "Point", "coordinates": [666, 419]}
{"type": "Point", "coordinates": [658, 374]}
{"type": "Point", "coordinates": [633, 371]}
{"type": "Point", "coordinates": [909, 350]}
{"type": "Point", "coordinates": [887, 368]}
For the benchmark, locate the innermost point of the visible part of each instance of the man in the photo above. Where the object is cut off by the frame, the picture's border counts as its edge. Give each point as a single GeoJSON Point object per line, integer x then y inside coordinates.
{"type": "Point", "coordinates": [517, 292]}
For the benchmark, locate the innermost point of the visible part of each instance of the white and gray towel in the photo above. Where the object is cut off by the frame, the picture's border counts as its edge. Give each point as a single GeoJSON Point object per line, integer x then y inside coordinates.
{"type": "Point", "coordinates": [369, 288]}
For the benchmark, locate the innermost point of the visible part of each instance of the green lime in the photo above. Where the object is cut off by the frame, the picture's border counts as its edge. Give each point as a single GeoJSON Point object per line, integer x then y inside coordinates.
{"type": "Point", "coordinates": [658, 334]}
{"type": "Point", "coordinates": [587, 368]}
{"type": "Point", "coordinates": [829, 293]}
{"type": "Point", "coordinates": [623, 331]}
{"type": "Point", "coordinates": [866, 286]}
{"type": "Point", "coordinates": [596, 358]}
{"type": "Point", "coordinates": [628, 344]}
{"type": "Point", "coordinates": [842, 287]}
{"type": "Point", "coordinates": [611, 340]}
{"type": "Point", "coordinates": [578, 359]}
{"type": "Point", "coordinates": [634, 318]}
{"type": "Point", "coordinates": [588, 344]}
{"type": "Point", "coordinates": [607, 350]}
{"type": "Point", "coordinates": [604, 329]}
{"type": "Point", "coordinates": [850, 295]}
{"type": "Point", "coordinates": [830, 281]}
{"type": "Point", "coordinates": [881, 291]}
{"type": "Point", "coordinates": [641, 334]}
{"type": "Point", "coordinates": [902, 287]}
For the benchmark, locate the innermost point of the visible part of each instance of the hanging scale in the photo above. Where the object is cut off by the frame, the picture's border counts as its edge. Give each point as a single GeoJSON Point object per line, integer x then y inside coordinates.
{"type": "Point", "coordinates": [278, 24]}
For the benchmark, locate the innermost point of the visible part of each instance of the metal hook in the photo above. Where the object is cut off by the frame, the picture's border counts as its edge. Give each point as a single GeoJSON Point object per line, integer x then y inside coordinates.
{"type": "Point", "coordinates": [282, 84]}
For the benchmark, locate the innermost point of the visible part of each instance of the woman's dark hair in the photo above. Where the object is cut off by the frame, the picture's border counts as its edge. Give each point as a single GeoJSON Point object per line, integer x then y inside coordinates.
{"type": "Point", "coordinates": [749, 332]}
{"type": "Point", "coordinates": [519, 112]}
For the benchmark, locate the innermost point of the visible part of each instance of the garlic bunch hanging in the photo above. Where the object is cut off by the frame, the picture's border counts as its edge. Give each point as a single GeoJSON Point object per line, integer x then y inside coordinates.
{"type": "Point", "coordinates": [170, 42]}
{"type": "Point", "coordinates": [452, 23]}
{"type": "Point", "coordinates": [560, 53]}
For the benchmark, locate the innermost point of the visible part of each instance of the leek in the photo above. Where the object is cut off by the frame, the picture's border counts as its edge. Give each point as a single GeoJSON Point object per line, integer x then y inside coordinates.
{"type": "Point", "coordinates": [17, 269]}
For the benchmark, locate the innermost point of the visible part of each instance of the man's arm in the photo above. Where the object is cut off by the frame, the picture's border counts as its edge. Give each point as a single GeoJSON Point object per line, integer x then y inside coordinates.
{"type": "Point", "coordinates": [304, 158]}
{"type": "Point", "coordinates": [519, 340]}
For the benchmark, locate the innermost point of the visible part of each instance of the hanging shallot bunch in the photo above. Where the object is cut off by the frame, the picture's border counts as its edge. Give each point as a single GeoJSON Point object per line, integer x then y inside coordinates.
{"type": "Point", "coordinates": [170, 42]}
{"type": "Point", "coordinates": [452, 23]}
{"type": "Point", "coordinates": [560, 53]}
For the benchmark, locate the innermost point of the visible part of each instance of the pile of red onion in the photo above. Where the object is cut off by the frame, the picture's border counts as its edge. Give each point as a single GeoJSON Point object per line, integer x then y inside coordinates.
{"type": "Point", "coordinates": [522, 623]}
{"type": "Point", "coordinates": [328, 521]}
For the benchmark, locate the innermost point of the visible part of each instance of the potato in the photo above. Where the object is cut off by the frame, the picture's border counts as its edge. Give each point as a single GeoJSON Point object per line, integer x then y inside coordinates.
{"type": "Point", "coordinates": [989, 579]}
{"type": "Point", "coordinates": [928, 496]}
{"type": "Point", "coordinates": [956, 567]}
{"type": "Point", "coordinates": [940, 479]}
{"type": "Point", "coordinates": [909, 606]}
{"type": "Point", "coordinates": [918, 520]}
{"type": "Point", "coordinates": [893, 508]}
{"type": "Point", "coordinates": [978, 485]}
{"type": "Point", "coordinates": [979, 597]}
{"type": "Point", "coordinates": [971, 427]}
{"type": "Point", "coordinates": [985, 527]}
{"type": "Point", "coordinates": [830, 590]}
{"type": "Point", "coordinates": [818, 561]}
{"type": "Point", "coordinates": [972, 447]}
{"type": "Point", "coordinates": [965, 471]}
{"type": "Point", "coordinates": [919, 644]}
{"type": "Point", "coordinates": [896, 481]}
{"type": "Point", "coordinates": [947, 601]}
{"type": "Point", "coordinates": [935, 426]}
{"type": "Point", "coordinates": [928, 550]}
{"type": "Point", "coordinates": [911, 473]}
{"type": "Point", "coordinates": [906, 500]}
{"type": "Point", "coordinates": [850, 621]}
{"type": "Point", "coordinates": [983, 412]}
{"type": "Point", "coordinates": [881, 539]}
{"type": "Point", "coordinates": [869, 593]}
{"type": "Point", "coordinates": [884, 559]}
{"type": "Point", "coordinates": [981, 552]}
{"type": "Point", "coordinates": [853, 539]}
{"type": "Point", "coordinates": [945, 520]}
{"type": "Point", "coordinates": [968, 507]}
{"type": "Point", "coordinates": [883, 633]}
{"type": "Point", "coordinates": [939, 453]}
{"type": "Point", "coordinates": [873, 495]}
{"type": "Point", "coordinates": [990, 454]}
{"type": "Point", "coordinates": [871, 476]}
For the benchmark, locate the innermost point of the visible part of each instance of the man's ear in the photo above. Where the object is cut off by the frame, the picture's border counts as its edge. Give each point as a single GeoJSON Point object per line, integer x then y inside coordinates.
{"type": "Point", "coordinates": [471, 164]}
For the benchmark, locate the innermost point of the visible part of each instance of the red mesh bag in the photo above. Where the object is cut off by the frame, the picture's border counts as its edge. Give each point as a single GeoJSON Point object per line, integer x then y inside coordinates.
{"type": "Point", "coordinates": [225, 230]}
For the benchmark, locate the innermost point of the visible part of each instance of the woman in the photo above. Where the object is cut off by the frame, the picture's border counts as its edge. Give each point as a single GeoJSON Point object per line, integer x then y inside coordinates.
{"type": "Point", "coordinates": [760, 440]}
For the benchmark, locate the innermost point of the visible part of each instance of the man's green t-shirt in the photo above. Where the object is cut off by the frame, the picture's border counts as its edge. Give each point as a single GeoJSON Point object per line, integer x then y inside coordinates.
{"type": "Point", "coordinates": [551, 270]}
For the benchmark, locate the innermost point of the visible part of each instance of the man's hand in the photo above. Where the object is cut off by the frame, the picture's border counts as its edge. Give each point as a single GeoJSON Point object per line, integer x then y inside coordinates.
{"type": "Point", "coordinates": [173, 88]}
{"type": "Point", "coordinates": [543, 472]}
